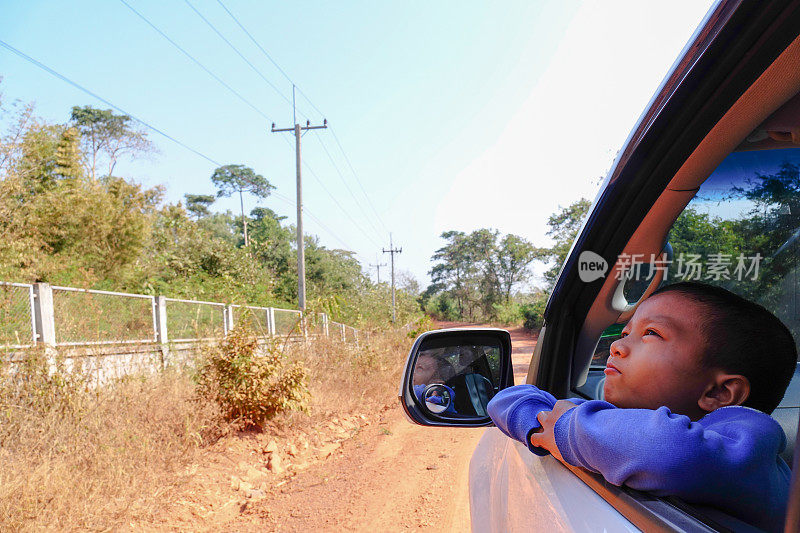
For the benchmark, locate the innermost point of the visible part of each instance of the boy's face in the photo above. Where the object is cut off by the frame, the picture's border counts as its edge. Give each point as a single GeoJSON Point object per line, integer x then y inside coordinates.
{"type": "Point", "coordinates": [425, 370]}
{"type": "Point", "coordinates": [657, 361]}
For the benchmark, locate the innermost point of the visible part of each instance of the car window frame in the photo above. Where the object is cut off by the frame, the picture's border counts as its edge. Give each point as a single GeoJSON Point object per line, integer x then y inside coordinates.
{"type": "Point", "coordinates": [725, 57]}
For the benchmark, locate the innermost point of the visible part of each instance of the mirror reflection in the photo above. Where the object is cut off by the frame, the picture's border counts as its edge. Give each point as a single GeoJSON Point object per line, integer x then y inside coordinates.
{"type": "Point", "coordinates": [457, 379]}
{"type": "Point", "coordinates": [438, 398]}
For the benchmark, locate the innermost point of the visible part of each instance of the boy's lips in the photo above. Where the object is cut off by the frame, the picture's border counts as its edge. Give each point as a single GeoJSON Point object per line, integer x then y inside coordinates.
{"type": "Point", "coordinates": [611, 369]}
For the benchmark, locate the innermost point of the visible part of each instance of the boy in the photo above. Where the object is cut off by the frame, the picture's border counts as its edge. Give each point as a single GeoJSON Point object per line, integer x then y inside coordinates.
{"type": "Point", "coordinates": [688, 389]}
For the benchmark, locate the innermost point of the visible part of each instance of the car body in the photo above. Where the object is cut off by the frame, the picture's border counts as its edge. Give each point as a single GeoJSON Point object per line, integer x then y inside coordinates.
{"type": "Point", "coordinates": [735, 80]}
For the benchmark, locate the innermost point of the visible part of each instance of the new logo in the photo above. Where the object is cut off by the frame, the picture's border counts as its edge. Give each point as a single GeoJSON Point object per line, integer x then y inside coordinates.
{"type": "Point", "coordinates": [591, 266]}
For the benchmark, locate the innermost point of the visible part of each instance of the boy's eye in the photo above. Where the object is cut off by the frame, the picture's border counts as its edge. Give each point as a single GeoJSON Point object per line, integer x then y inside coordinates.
{"type": "Point", "coordinates": [623, 334]}
{"type": "Point", "coordinates": [651, 332]}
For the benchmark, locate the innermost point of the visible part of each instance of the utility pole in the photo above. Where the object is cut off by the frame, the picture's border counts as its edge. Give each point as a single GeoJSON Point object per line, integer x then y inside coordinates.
{"type": "Point", "coordinates": [378, 269]}
{"type": "Point", "coordinates": [392, 250]}
{"type": "Point", "coordinates": [301, 253]}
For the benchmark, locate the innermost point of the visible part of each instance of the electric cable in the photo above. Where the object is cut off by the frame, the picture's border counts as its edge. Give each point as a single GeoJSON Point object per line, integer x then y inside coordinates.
{"type": "Point", "coordinates": [341, 176]}
{"type": "Point", "coordinates": [249, 63]}
{"type": "Point", "coordinates": [335, 201]}
{"type": "Point", "coordinates": [155, 129]}
{"type": "Point", "coordinates": [196, 62]}
{"type": "Point", "coordinates": [312, 217]}
{"type": "Point", "coordinates": [355, 175]}
{"type": "Point", "coordinates": [187, 54]}
{"type": "Point", "coordinates": [94, 95]}
{"type": "Point", "coordinates": [305, 96]}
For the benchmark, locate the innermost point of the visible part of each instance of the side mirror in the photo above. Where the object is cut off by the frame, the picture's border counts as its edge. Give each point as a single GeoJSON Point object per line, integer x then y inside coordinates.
{"type": "Point", "coordinates": [451, 374]}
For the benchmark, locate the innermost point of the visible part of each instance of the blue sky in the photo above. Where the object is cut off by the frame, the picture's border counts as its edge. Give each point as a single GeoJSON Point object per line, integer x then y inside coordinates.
{"type": "Point", "coordinates": [454, 115]}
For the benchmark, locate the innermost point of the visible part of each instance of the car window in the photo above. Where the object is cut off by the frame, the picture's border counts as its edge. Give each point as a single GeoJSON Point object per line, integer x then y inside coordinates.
{"type": "Point", "coordinates": [740, 231]}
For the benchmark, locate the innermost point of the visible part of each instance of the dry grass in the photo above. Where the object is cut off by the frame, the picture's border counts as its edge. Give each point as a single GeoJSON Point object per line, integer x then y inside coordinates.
{"type": "Point", "coordinates": [73, 458]}
{"type": "Point", "coordinates": [346, 379]}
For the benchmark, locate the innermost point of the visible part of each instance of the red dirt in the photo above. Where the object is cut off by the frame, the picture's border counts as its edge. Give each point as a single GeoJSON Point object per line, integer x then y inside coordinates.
{"type": "Point", "coordinates": [387, 474]}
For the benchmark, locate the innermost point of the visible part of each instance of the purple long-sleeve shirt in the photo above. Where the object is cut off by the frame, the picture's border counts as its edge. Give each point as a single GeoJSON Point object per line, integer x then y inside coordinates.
{"type": "Point", "coordinates": [728, 459]}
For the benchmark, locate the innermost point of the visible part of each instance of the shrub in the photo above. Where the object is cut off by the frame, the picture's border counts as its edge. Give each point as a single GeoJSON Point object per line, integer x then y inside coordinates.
{"type": "Point", "coordinates": [420, 326]}
{"type": "Point", "coordinates": [250, 382]}
{"type": "Point", "coordinates": [509, 313]}
{"type": "Point", "coordinates": [533, 313]}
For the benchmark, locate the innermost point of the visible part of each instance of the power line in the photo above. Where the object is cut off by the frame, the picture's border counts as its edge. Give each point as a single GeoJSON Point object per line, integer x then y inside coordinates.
{"type": "Point", "coordinates": [355, 175]}
{"type": "Point", "coordinates": [314, 218]}
{"type": "Point", "coordinates": [187, 54]}
{"type": "Point", "coordinates": [196, 62]}
{"type": "Point", "coordinates": [153, 128]}
{"type": "Point", "coordinates": [94, 95]}
{"type": "Point", "coordinates": [236, 20]}
{"type": "Point", "coordinates": [392, 250]}
{"type": "Point", "coordinates": [345, 211]}
{"type": "Point", "coordinates": [250, 64]}
{"type": "Point", "coordinates": [358, 203]}
{"type": "Point", "coordinates": [269, 57]}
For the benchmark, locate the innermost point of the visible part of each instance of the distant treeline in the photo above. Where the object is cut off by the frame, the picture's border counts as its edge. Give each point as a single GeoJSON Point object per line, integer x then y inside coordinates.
{"type": "Point", "coordinates": [67, 219]}
{"type": "Point", "coordinates": [481, 276]}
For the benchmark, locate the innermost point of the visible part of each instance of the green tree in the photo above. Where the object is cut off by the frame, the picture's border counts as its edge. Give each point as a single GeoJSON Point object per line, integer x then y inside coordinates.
{"type": "Point", "coordinates": [231, 179]}
{"type": "Point", "coordinates": [479, 270]}
{"type": "Point", "coordinates": [564, 227]}
{"type": "Point", "coordinates": [68, 154]}
{"type": "Point", "coordinates": [515, 256]}
{"type": "Point", "coordinates": [198, 204]}
{"type": "Point", "coordinates": [104, 132]}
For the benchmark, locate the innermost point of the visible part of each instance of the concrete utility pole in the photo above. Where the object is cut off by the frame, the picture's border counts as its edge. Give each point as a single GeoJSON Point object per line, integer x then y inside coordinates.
{"type": "Point", "coordinates": [301, 253]}
{"type": "Point", "coordinates": [378, 269]}
{"type": "Point", "coordinates": [392, 250]}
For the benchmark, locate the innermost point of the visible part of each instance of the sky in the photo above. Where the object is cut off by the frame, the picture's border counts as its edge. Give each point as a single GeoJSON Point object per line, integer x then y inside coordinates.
{"type": "Point", "coordinates": [451, 115]}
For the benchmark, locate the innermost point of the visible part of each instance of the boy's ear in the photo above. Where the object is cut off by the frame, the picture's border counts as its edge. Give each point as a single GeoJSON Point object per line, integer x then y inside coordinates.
{"type": "Point", "coordinates": [726, 389]}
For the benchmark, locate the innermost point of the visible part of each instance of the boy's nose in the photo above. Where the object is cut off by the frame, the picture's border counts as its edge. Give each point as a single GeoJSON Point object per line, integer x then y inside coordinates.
{"type": "Point", "coordinates": [618, 348]}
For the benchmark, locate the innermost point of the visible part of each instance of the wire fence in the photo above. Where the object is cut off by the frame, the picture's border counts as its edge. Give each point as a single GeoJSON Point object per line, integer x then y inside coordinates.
{"type": "Point", "coordinates": [66, 316]}
{"type": "Point", "coordinates": [83, 316]}
{"type": "Point", "coordinates": [287, 322]}
{"type": "Point", "coordinates": [17, 324]}
{"type": "Point", "coordinates": [194, 320]}
{"type": "Point", "coordinates": [255, 319]}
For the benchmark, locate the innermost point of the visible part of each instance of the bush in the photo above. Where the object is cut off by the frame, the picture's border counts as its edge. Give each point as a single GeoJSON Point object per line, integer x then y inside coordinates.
{"type": "Point", "coordinates": [420, 326]}
{"type": "Point", "coordinates": [533, 313]}
{"type": "Point", "coordinates": [249, 382]}
{"type": "Point", "coordinates": [509, 313]}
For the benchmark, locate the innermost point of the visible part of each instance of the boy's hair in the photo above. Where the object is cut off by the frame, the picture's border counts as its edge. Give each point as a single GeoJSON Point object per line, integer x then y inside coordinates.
{"type": "Point", "coordinates": [744, 338]}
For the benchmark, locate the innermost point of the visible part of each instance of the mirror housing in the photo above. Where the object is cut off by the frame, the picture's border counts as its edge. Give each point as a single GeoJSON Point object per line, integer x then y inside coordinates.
{"type": "Point", "coordinates": [478, 364]}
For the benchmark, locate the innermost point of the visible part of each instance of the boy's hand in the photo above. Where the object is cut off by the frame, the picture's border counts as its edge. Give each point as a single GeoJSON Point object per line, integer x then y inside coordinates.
{"type": "Point", "coordinates": [544, 437]}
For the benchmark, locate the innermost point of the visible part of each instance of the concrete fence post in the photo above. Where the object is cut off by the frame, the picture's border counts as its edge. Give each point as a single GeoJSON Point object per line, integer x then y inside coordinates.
{"type": "Point", "coordinates": [344, 332]}
{"type": "Point", "coordinates": [45, 321]}
{"type": "Point", "coordinates": [228, 318]}
{"type": "Point", "coordinates": [162, 336]}
{"type": "Point", "coordinates": [273, 329]}
{"type": "Point", "coordinates": [325, 324]}
{"type": "Point", "coordinates": [270, 325]}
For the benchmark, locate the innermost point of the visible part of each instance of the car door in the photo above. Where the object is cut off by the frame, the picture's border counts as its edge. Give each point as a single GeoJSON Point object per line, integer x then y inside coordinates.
{"type": "Point", "coordinates": [739, 69]}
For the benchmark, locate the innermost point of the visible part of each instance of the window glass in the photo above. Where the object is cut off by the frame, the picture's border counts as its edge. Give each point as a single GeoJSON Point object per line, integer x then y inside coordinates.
{"type": "Point", "coordinates": [741, 231]}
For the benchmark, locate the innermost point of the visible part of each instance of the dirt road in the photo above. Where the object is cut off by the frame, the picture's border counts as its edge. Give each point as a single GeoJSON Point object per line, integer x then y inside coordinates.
{"type": "Point", "coordinates": [391, 476]}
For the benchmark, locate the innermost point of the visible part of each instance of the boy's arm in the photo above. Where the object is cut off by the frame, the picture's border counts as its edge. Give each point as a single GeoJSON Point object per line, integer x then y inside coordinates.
{"type": "Point", "coordinates": [660, 451]}
{"type": "Point", "coordinates": [514, 411]}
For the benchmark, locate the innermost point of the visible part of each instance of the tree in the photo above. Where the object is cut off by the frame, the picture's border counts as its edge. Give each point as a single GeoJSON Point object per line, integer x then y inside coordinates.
{"type": "Point", "coordinates": [198, 204]}
{"type": "Point", "coordinates": [564, 227]}
{"type": "Point", "coordinates": [68, 154]}
{"type": "Point", "coordinates": [103, 132]}
{"type": "Point", "coordinates": [230, 179]}
{"type": "Point", "coordinates": [515, 255]}
{"type": "Point", "coordinates": [478, 270]}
